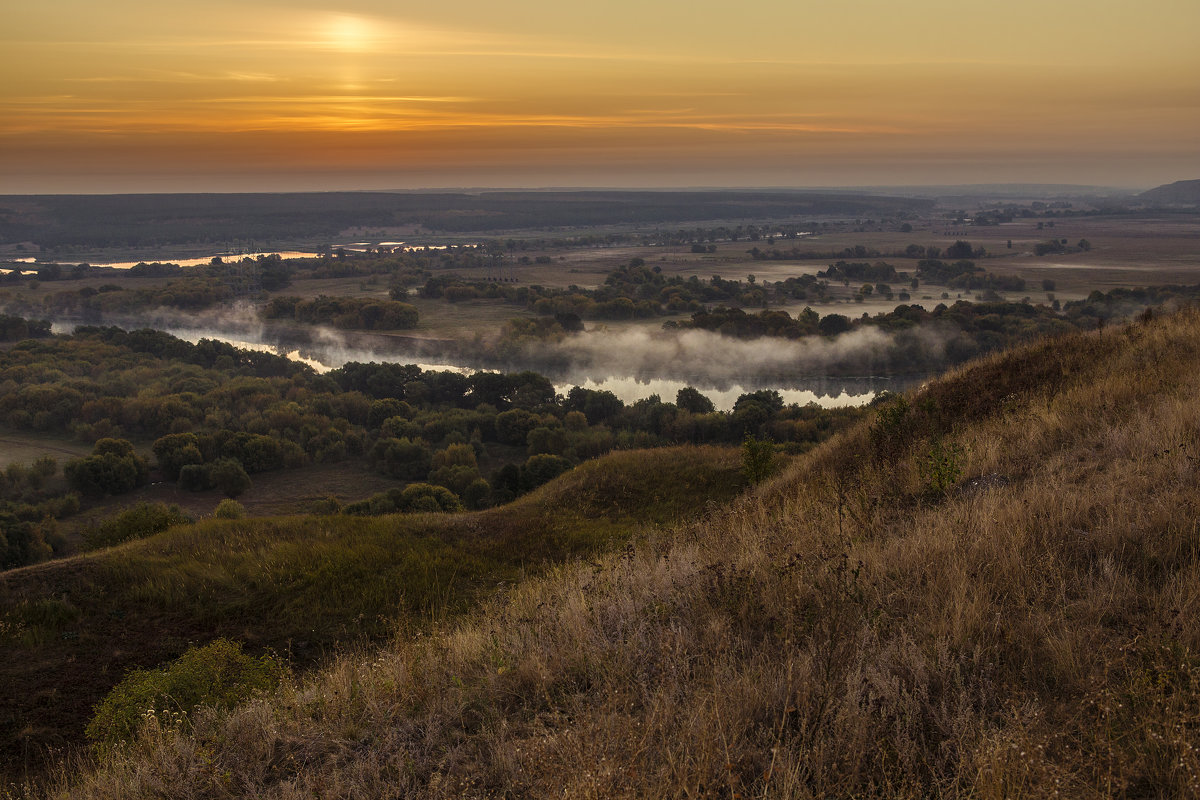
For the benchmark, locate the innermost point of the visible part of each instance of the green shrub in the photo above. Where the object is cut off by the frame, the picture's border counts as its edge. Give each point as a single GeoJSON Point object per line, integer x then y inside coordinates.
{"type": "Point", "coordinates": [425, 497]}
{"type": "Point", "coordinates": [228, 475]}
{"type": "Point", "coordinates": [229, 509]}
{"type": "Point", "coordinates": [112, 468]}
{"type": "Point", "coordinates": [941, 467]}
{"type": "Point", "coordinates": [758, 459]}
{"type": "Point", "coordinates": [138, 522]}
{"type": "Point", "coordinates": [218, 674]}
{"type": "Point", "coordinates": [542, 468]}
{"type": "Point", "coordinates": [194, 478]}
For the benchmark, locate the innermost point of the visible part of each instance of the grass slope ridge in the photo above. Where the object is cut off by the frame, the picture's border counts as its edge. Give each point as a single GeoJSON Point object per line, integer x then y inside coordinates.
{"type": "Point", "coordinates": [70, 630]}
{"type": "Point", "coordinates": [992, 591]}
{"type": "Point", "coordinates": [1178, 193]}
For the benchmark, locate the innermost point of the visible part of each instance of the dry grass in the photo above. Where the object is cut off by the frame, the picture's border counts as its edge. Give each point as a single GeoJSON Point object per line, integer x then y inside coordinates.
{"type": "Point", "coordinates": [71, 628]}
{"type": "Point", "coordinates": [844, 632]}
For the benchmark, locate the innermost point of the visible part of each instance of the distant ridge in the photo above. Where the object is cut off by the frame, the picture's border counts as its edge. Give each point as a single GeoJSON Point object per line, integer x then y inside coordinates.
{"type": "Point", "coordinates": [1179, 193]}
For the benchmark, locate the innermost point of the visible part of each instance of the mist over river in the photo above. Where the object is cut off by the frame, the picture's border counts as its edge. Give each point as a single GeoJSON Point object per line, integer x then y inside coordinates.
{"type": "Point", "coordinates": [633, 365]}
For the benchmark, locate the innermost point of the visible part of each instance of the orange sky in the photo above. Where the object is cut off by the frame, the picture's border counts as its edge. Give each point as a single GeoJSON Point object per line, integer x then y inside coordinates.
{"type": "Point", "coordinates": [129, 95]}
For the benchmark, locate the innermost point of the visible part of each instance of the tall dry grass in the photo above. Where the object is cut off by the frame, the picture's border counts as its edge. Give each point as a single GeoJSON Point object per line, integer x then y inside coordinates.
{"type": "Point", "coordinates": [1031, 631]}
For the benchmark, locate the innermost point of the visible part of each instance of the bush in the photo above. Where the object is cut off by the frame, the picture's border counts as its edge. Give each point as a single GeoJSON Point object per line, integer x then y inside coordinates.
{"type": "Point", "coordinates": [542, 468]}
{"type": "Point", "coordinates": [218, 674]}
{"type": "Point", "coordinates": [228, 475]}
{"type": "Point", "coordinates": [112, 468]}
{"type": "Point", "coordinates": [758, 459]}
{"type": "Point", "coordinates": [477, 494]}
{"type": "Point", "coordinates": [144, 519]}
{"type": "Point", "coordinates": [175, 451]}
{"type": "Point", "coordinates": [401, 458]}
{"type": "Point", "coordinates": [21, 542]}
{"type": "Point", "coordinates": [229, 509]}
{"type": "Point", "coordinates": [426, 497]}
{"type": "Point", "coordinates": [194, 478]}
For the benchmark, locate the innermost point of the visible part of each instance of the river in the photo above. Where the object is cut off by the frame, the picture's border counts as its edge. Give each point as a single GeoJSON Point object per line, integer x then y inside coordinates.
{"type": "Point", "coordinates": [328, 350]}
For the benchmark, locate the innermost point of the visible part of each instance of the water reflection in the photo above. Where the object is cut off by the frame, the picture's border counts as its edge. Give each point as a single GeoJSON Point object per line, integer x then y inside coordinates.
{"type": "Point", "coordinates": [331, 351]}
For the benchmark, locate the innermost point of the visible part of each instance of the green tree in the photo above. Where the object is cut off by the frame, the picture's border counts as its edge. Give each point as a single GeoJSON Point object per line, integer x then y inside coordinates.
{"type": "Point", "coordinates": [758, 459]}
{"type": "Point", "coordinates": [692, 400]}
{"type": "Point", "coordinates": [114, 467]}
{"type": "Point", "coordinates": [228, 475]}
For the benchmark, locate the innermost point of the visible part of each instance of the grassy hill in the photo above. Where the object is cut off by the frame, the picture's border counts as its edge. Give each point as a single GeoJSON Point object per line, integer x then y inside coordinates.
{"type": "Point", "coordinates": [991, 590]}
{"type": "Point", "coordinates": [70, 629]}
{"type": "Point", "coordinates": [1180, 193]}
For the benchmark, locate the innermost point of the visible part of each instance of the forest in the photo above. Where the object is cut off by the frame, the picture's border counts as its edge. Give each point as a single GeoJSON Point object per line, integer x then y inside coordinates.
{"type": "Point", "coordinates": [211, 416]}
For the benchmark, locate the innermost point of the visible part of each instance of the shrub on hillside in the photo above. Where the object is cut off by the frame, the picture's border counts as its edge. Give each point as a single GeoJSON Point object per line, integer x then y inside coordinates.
{"type": "Point", "coordinates": [218, 674]}
{"type": "Point", "coordinates": [144, 519]}
{"type": "Point", "coordinates": [229, 509]}
{"type": "Point", "coordinates": [542, 468]}
{"type": "Point", "coordinates": [21, 542]}
{"type": "Point", "coordinates": [414, 498]}
{"type": "Point", "coordinates": [758, 459]}
{"type": "Point", "coordinates": [426, 497]}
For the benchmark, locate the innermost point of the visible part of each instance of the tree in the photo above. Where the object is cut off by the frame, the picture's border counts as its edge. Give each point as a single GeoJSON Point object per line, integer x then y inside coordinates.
{"type": "Point", "coordinates": [960, 249]}
{"type": "Point", "coordinates": [401, 458]}
{"type": "Point", "coordinates": [690, 399]}
{"type": "Point", "coordinates": [758, 459]}
{"type": "Point", "coordinates": [175, 451]}
{"type": "Point", "coordinates": [833, 324]}
{"type": "Point", "coordinates": [542, 468]}
{"type": "Point", "coordinates": [228, 475]}
{"type": "Point", "coordinates": [114, 467]}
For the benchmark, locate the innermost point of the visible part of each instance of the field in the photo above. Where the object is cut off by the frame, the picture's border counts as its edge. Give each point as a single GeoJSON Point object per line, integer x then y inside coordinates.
{"type": "Point", "coordinates": [24, 447]}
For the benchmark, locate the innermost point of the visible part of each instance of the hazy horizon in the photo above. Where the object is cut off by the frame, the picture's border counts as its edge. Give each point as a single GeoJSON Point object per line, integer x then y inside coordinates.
{"type": "Point", "coordinates": [132, 96]}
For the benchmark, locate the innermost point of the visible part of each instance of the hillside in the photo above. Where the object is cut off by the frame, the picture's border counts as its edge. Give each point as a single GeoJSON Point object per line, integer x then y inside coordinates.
{"type": "Point", "coordinates": [1180, 193]}
{"type": "Point", "coordinates": [993, 590]}
{"type": "Point", "coordinates": [301, 586]}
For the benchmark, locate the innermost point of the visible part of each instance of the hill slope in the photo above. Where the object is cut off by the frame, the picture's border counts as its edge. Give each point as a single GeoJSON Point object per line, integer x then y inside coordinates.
{"type": "Point", "coordinates": [992, 591]}
{"type": "Point", "coordinates": [70, 629]}
{"type": "Point", "coordinates": [1180, 193]}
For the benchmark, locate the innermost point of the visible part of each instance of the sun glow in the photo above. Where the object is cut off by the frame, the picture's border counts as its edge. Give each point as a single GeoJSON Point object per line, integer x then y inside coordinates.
{"type": "Point", "coordinates": [349, 34]}
{"type": "Point", "coordinates": [590, 87]}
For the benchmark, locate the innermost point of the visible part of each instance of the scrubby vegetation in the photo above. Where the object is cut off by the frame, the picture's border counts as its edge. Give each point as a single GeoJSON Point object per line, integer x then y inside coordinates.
{"type": "Point", "coordinates": [302, 586]}
{"type": "Point", "coordinates": [988, 590]}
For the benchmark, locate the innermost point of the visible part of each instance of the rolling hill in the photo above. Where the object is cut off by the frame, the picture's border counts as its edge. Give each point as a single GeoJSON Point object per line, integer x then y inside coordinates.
{"type": "Point", "coordinates": [304, 586]}
{"type": "Point", "coordinates": [992, 589]}
{"type": "Point", "coordinates": [1180, 193]}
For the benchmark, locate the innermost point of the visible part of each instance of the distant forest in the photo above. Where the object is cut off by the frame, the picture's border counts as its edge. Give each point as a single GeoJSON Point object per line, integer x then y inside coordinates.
{"type": "Point", "coordinates": [156, 220]}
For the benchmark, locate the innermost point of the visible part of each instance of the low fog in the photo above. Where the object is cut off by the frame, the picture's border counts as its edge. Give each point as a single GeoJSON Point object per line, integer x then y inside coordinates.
{"type": "Point", "coordinates": [713, 360]}
{"type": "Point", "coordinates": [632, 362]}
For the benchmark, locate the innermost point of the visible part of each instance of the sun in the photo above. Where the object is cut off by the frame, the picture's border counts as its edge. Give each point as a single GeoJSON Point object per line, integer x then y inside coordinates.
{"type": "Point", "coordinates": [349, 34]}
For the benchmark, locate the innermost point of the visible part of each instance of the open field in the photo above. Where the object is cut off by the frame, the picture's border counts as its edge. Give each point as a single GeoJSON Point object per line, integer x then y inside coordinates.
{"type": "Point", "coordinates": [24, 447]}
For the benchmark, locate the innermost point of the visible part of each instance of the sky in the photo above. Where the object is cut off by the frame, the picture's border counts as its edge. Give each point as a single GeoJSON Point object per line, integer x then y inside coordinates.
{"type": "Point", "coordinates": [299, 95]}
